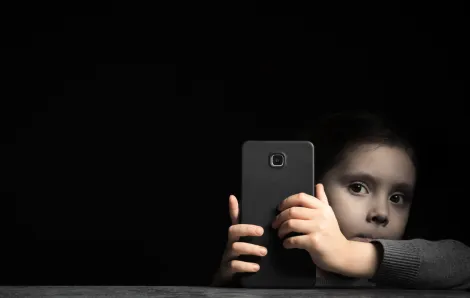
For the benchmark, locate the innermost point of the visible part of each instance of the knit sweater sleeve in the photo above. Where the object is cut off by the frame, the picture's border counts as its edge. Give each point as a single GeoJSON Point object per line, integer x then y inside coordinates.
{"type": "Point", "coordinates": [423, 264]}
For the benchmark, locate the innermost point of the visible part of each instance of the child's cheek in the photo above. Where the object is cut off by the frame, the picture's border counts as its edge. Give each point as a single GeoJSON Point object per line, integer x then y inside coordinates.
{"type": "Point", "coordinates": [397, 225]}
{"type": "Point", "coordinates": [350, 215]}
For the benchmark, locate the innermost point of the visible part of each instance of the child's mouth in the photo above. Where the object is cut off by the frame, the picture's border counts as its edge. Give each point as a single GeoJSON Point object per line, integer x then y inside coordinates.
{"type": "Point", "coordinates": [363, 238]}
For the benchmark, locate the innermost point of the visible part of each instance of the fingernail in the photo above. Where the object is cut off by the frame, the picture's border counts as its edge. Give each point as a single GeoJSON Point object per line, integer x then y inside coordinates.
{"type": "Point", "coordinates": [256, 267]}
{"type": "Point", "coordinates": [263, 251]}
{"type": "Point", "coordinates": [259, 231]}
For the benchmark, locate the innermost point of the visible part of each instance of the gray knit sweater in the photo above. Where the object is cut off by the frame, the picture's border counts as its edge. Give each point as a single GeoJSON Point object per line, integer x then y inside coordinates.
{"type": "Point", "coordinates": [416, 264]}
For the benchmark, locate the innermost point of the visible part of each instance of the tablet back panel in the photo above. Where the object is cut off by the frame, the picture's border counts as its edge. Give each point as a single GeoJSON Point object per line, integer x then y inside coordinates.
{"type": "Point", "coordinates": [264, 186]}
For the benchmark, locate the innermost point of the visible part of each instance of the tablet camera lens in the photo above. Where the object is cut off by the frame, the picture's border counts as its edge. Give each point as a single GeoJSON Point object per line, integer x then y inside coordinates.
{"type": "Point", "coordinates": [277, 160]}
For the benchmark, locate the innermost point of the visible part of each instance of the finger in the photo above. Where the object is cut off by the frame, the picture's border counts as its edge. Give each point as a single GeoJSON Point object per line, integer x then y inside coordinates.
{"type": "Point", "coordinates": [235, 266]}
{"type": "Point", "coordinates": [233, 209]}
{"type": "Point", "coordinates": [295, 225]}
{"type": "Point", "coordinates": [320, 193]}
{"type": "Point", "coordinates": [302, 200]}
{"type": "Point", "coordinates": [241, 230]}
{"type": "Point", "coordinates": [293, 213]}
{"type": "Point", "coordinates": [243, 248]}
{"type": "Point", "coordinates": [300, 242]}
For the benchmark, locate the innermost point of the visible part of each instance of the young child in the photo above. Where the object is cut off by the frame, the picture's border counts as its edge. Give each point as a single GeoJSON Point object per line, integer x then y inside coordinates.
{"type": "Point", "coordinates": [353, 229]}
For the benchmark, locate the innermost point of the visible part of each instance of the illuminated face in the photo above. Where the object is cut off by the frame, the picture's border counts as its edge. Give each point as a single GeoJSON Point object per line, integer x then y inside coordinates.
{"type": "Point", "coordinates": [371, 191]}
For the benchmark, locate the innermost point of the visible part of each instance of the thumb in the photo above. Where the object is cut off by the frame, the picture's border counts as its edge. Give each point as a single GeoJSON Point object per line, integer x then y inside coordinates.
{"type": "Point", "coordinates": [233, 209]}
{"type": "Point", "coordinates": [320, 193]}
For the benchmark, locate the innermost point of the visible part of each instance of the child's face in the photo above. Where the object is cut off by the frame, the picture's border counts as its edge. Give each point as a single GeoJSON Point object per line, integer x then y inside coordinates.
{"type": "Point", "coordinates": [370, 192]}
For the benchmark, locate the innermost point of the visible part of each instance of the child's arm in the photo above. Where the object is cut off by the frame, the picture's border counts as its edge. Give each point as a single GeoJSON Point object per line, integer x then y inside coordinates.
{"type": "Point", "coordinates": [416, 263]}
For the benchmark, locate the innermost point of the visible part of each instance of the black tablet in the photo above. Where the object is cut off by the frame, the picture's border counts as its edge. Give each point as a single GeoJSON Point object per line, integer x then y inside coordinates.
{"type": "Point", "coordinates": [271, 172]}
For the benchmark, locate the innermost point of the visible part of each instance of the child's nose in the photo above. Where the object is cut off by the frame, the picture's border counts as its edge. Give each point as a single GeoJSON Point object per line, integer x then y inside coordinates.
{"type": "Point", "coordinates": [379, 213]}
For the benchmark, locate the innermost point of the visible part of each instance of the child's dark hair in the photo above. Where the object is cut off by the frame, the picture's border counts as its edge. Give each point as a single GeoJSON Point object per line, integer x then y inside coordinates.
{"type": "Point", "coordinates": [336, 134]}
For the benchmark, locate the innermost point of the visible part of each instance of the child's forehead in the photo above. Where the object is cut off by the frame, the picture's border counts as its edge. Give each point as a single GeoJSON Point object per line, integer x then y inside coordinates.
{"type": "Point", "coordinates": [363, 153]}
{"type": "Point", "coordinates": [376, 159]}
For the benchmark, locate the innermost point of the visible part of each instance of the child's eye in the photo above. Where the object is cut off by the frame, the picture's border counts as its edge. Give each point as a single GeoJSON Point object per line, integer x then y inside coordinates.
{"type": "Point", "coordinates": [397, 199]}
{"type": "Point", "coordinates": [357, 188]}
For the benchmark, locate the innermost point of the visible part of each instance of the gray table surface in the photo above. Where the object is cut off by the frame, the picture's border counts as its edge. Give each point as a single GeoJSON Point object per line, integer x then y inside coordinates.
{"type": "Point", "coordinates": [173, 291]}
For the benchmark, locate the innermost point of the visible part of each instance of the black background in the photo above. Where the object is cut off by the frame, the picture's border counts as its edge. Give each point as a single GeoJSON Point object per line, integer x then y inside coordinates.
{"type": "Point", "coordinates": [122, 126]}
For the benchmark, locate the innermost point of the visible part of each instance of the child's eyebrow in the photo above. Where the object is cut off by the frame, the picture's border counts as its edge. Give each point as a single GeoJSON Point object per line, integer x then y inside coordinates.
{"type": "Point", "coordinates": [350, 176]}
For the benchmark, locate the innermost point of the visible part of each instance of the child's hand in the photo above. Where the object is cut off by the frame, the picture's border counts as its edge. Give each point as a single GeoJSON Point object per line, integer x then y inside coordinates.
{"type": "Point", "coordinates": [229, 265]}
{"type": "Point", "coordinates": [314, 218]}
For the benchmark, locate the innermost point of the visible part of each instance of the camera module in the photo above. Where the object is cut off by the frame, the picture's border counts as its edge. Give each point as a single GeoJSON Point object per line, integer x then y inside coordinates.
{"type": "Point", "coordinates": [277, 160]}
